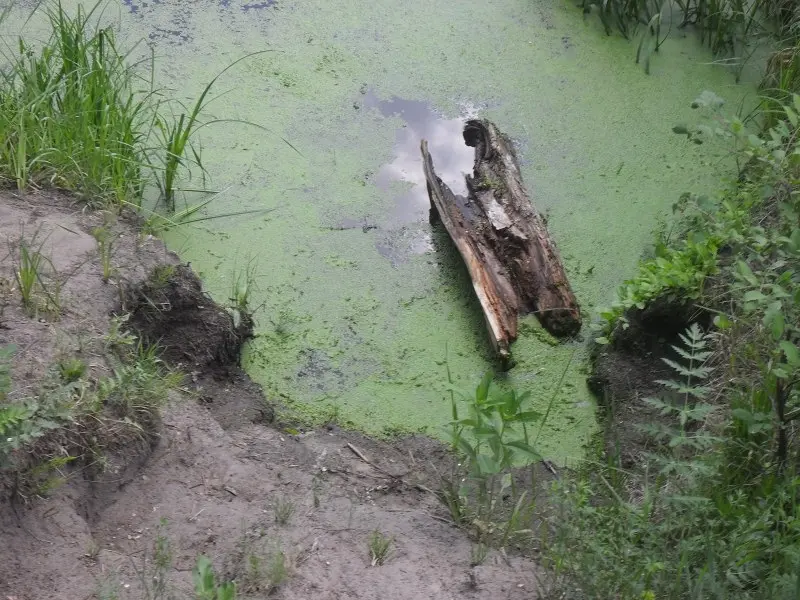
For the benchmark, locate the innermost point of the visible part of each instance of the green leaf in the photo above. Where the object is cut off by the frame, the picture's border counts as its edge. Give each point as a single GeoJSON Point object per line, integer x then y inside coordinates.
{"type": "Point", "coordinates": [527, 449]}
{"type": "Point", "coordinates": [487, 465]}
{"type": "Point", "coordinates": [746, 273]}
{"type": "Point", "coordinates": [602, 340]}
{"type": "Point", "coordinates": [523, 397]}
{"type": "Point", "coordinates": [484, 433]}
{"type": "Point", "coordinates": [754, 296]}
{"type": "Point", "coordinates": [791, 352]}
{"type": "Point", "coordinates": [203, 577]}
{"type": "Point", "coordinates": [466, 448]}
{"type": "Point", "coordinates": [794, 240]}
{"type": "Point", "coordinates": [778, 292]}
{"type": "Point", "coordinates": [482, 391]}
{"type": "Point", "coordinates": [778, 326]}
{"type": "Point", "coordinates": [791, 115]}
{"type": "Point", "coordinates": [745, 416]}
{"type": "Point", "coordinates": [774, 320]}
{"type": "Point", "coordinates": [226, 591]}
{"type": "Point", "coordinates": [722, 322]}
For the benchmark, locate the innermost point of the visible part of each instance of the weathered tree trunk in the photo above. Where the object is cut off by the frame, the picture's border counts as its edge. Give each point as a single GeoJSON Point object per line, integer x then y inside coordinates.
{"type": "Point", "coordinates": [514, 265]}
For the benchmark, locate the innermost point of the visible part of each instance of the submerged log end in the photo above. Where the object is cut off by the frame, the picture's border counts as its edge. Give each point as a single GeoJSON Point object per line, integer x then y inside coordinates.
{"type": "Point", "coordinates": [562, 322]}
{"type": "Point", "coordinates": [555, 304]}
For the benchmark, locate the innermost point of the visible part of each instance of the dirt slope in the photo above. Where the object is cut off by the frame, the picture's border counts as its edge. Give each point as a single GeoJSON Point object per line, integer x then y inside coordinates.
{"type": "Point", "coordinates": [218, 475]}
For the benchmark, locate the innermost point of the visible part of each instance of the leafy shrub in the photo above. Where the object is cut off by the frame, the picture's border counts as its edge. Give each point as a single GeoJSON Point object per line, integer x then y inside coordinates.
{"type": "Point", "coordinates": [491, 434]}
{"type": "Point", "coordinates": [692, 530]}
{"type": "Point", "coordinates": [712, 510]}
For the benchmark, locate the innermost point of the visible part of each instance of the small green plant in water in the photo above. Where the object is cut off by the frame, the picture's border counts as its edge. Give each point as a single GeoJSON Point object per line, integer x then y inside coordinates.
{"type": "Point", "coordinates": [242, 290]}
{"type": "Point", "coordinates": [175, 137]}
{"type": "Point", "coordinates": [491, 433]}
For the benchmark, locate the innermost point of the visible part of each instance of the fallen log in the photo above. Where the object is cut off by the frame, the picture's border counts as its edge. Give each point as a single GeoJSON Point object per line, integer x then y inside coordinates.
{"type": "Point", "coordinates": [513, 263]}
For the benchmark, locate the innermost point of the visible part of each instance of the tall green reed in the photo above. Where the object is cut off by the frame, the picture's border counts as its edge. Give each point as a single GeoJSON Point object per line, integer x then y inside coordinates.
{"type": "Point", "coordinates": [70, 116]}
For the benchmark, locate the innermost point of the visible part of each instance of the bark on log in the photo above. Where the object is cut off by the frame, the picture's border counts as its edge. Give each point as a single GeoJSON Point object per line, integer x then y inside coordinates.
{"type": "Point", "coordinates": [513, 263]}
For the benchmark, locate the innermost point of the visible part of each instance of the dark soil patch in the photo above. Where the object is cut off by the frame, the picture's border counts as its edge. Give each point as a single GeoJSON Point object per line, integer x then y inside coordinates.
{"type": "Point", "coordinates": [192, 331]}
{"type": "Point", "coordinates": [198, 336]}
{"type": "Point", "coordinates": [626, 372]}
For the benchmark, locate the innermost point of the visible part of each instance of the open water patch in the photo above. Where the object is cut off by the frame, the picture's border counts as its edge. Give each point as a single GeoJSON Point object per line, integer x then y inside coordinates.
{"type": "Point", "coordinates": [406, 231]}
{"type": "Point", "coordinates": [446, 145]}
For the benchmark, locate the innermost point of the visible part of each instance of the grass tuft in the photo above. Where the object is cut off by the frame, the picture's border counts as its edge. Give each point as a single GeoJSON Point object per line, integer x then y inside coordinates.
{"type": "Point", "coordinates": [380, 547]}
{"type": "Point", "coordinates": [284, 509]}
{"type": "Point", "coordinates": [75, 115]}
{"type": "Point", "coordinates": [69, 116]}
{"type": "Point", "coordinates": [72, 369]}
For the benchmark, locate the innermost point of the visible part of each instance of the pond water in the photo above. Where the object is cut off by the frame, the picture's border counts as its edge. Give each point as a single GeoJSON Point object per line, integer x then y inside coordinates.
{"type": "Point", "coordinates": [361, 301]}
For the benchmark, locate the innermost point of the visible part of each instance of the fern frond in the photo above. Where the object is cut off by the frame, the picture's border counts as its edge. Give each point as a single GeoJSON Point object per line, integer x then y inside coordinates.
{"type": "Point", "coordinates": [694, 337]}
{"type": "Point", "coordinates": [11, 416]}
{"type": "Point", "coordinates": [688, 372]}
{"type": "Point", "coordinates": [700, 355]}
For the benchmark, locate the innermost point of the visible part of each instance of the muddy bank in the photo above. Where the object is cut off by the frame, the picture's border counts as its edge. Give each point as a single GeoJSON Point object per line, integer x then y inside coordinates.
{"type": "Point", "coordinates": [171, 310]}
{"type": "Point", "coordinates": [213, 476]}
{"type": "Point", "coordinates": [627, 371]}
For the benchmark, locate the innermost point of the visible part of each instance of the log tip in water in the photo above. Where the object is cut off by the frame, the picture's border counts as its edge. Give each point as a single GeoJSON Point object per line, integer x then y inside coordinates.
{"type": "Point", "coordinates": [564, 322]}
{"type": "Point", "coordinates": [513, 263]}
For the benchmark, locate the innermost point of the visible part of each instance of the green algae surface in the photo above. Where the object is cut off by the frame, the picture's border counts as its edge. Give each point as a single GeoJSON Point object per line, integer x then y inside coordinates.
{"type": "Point", "coordinates": [360, 301]}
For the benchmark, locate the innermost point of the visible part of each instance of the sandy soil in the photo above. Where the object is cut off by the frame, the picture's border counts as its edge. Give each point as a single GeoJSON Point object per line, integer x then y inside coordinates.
{"type": "Point", "coordinates": [219, 473]}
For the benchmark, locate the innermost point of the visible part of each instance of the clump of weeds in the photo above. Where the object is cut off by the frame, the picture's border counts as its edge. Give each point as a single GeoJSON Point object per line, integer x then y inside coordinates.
{"type": "Point", "coordinates": [283, 510]}
{"type": "Point", "coordinates": [71, 369]}
{"type": "Point", "coordinates": [258, 565]}
{"type": "Point", "coordinates": [36, 279]}
{"type": "Point", "coordinates": [105, 247]}
{"type": "Point", "coordinates": [241, 292]}
{"type": "Point", "coordinates": [493, 435]}
{"type": "Point", "coordinates": [380, 547]}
